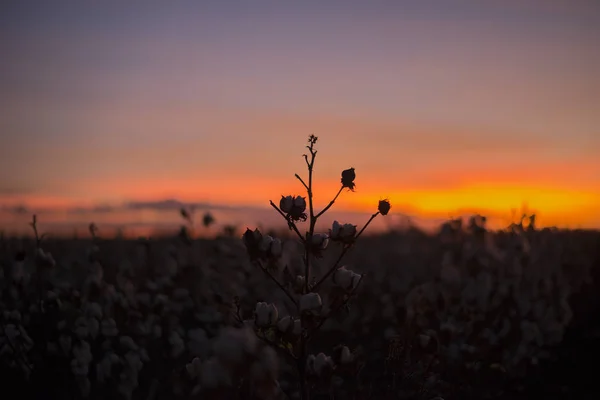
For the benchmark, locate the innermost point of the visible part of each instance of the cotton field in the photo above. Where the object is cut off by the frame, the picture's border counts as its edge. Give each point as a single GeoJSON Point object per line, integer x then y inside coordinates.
{"type": "Point", "coordinates": [464, 313]}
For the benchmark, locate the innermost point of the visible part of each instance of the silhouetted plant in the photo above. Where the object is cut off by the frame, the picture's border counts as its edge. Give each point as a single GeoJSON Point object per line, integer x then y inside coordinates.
{"type": "Point", "coordinates": [292, 334]}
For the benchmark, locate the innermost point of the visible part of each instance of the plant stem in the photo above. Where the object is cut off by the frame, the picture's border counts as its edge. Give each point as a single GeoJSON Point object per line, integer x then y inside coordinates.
{"type": "Point", "coordinates": [283, 288]}
{"type": "Point", "coordinates": [313, 219]}
{"type": "Point", "coordinates": [301, 180]}
{"type": "Point", "coordinates": [367, 224]}
{"type": "Point", "coordinates": [291, 224]}
{"type": "Point", "coordinates": [332, 269]}
{"type": "Point", "coordinates": [338, 307]}
{"type": "Point", "coordinates": [330, 203]}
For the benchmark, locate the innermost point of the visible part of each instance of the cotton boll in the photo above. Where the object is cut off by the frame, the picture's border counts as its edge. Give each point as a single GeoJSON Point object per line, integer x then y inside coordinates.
{"type": "Point", "coordinates": [265, 314]}
{"type": "Point", "coordinates": [214, 374]}
{"type": "Point", "coordinates": [232, 345]}
{"type": "Point", "coordinates": [198, 342]}
{"type": "Point", "coordinates": [109, 328]}
{"type": "Point", "coordinates": [177, 344]}
{"type": "Point", "coordinates": [310, 302]}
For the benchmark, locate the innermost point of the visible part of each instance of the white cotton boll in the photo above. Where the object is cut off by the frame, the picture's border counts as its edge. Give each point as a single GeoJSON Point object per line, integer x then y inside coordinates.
{"type": "Point", "coordinates": [198, 343]}
{"type": "Point", "coordinates": [128, 382]}
{"type": "Point", "coordinates": [143, 299]}
{"type": "Point", "coordinates": [82, 351]}
{"type": "Point", "coordinates": [320, 240]}
{"type": "Point", "coordinates": [265, 243]}
{"type": "Point", "coordinates": [232, 345]}
{"type": "Point", "coordinates": [52, 348]}
{"type": "Point", "coordinates": [103, 370]}
{"type": "Point", "coordinates": [81, 329]}
{"type": "Point", "coordinates": [276, 249]}
{"type": "Point", "coordinates": [345, 278]}
{"type": "Point", "coordinates": [297, 327]}
{"type": "Point", "coordinates": [346, 357]}
{"type": "Point", "coordinates": [348, 231]}
{"type": "Point", "coordinates": [134, 360]}
{"type": "Point", "coordinates": [93, 326]}
{"type": "Point", "coordinates": [424, 340]}
{"type": "Point", "coordinates": [64, 342]}
{"type": "Point", "coordinates": [109, 328]}
{"type": "Point", "coordinates": [449, 274]}
{"type": "Point", "coordinates": [14, 315]}
{"type": "Point", "coordinates": [127, 343]}
{"type": "Point", "coordinates": [11, 332]}
{"type": "Point", "coordinates": [79, 368]}
{"type": "Point", "coordinates": [194, 368]}
{"type": "Point", "coordinates": [299, 283]}
{"type": "Point", "coordinates": [266, 314]}
{"type": "Point", "coordinates": [321, 364]}
{"type": "Point", "coordinates": [93, 310]}
{"type": "Point", "coordinates": [284, 324]}
{"type": "Point", "coordinates": [62, 324]}
{"type": "Point", "coordinates": [268, 362]}
{"type": "Point", "coordinates": [213, 374]}
{"type": "Point", "coordinates": [310, 302]}
{"type": "Point", "coordinates": [336, 227]}
{"type": "Point", "coordinates": [157, 331]}
{"type": "Point", "coordinates": [181, 294]}
{"type": "Point", "coordinates": [177, 344]}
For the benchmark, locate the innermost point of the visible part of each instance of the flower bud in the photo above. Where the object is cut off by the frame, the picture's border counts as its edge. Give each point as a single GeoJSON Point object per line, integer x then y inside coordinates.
{"type": "Point", "coordinates": [320, 241]}
{"type": "Point", "coordinates": [384, 207]}
{"type": "Point", "coordinates": [286, 203]}
{"type": "Point", "coordinates": [252, 240]}
{"type": "Point", "coordinates": [348, 177]}
{"type": "Point", "coordinates": [345, 278]}
{"type": "Point", "coordinates": [265, 314]}
{"type": "Point", "coordinates": [300, 203]}
{"type": "Point", "coordinates": [310, 302]}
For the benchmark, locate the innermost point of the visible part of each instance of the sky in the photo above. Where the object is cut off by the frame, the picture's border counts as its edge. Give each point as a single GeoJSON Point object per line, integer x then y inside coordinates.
{"type": "Point", "coordinates": [444, 107]}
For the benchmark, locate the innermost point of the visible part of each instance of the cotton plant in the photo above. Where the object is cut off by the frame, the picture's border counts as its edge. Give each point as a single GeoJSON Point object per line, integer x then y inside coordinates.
{"type": "Point", "coordinates": [312, 306]}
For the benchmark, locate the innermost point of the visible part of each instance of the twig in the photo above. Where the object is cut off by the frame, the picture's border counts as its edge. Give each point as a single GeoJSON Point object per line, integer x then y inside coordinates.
{"type": "Point", "coordinates": [291, 224]}
{"type": "Point", "coordinates": [330, 203]}
{"type": "Point", "coordinates": [342, 304]}
{"type": "Point", "coordinates": [367, 224]}
{"type": "Point", "coordinates": [301, 180]}
{"type": "Point", "coordinates": [332, 269]}
{"type": "Point", "coordinates": [283, 288]}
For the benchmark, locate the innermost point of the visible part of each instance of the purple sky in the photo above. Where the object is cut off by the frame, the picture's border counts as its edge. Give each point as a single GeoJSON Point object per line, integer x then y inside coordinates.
{"type": "Point", "coordinates": [105, 102]}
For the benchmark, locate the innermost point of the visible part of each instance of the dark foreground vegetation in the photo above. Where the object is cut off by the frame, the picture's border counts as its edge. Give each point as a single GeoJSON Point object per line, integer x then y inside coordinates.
{"type": "Point", "coordinates": [462, 314]}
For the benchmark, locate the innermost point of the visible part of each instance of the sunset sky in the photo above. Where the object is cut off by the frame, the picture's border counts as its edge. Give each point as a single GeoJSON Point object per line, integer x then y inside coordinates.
{"type": "Point", "coordinates": [444, 107]}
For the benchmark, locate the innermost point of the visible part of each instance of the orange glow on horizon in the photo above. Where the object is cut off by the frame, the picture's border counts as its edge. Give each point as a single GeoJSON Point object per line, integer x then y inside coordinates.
{"type": "Point", "coordinates": [554, 205]}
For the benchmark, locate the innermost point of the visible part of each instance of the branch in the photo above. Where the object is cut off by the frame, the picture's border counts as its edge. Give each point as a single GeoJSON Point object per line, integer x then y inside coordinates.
{"type": "Point", "coordinates": [330, 203]}
{"type": "Point", "coordinates": [301, 180]}
{"type": "Point", "coordinates": [283, 288]}
{"type": "Point", "coordinates": [291, 224]}
{"type": "Point", "coordinates": [331, 312]}
{"type": "Point", "coordinates": [367, 224]}
{"type": "Point", "coordinates": [332, 269]}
